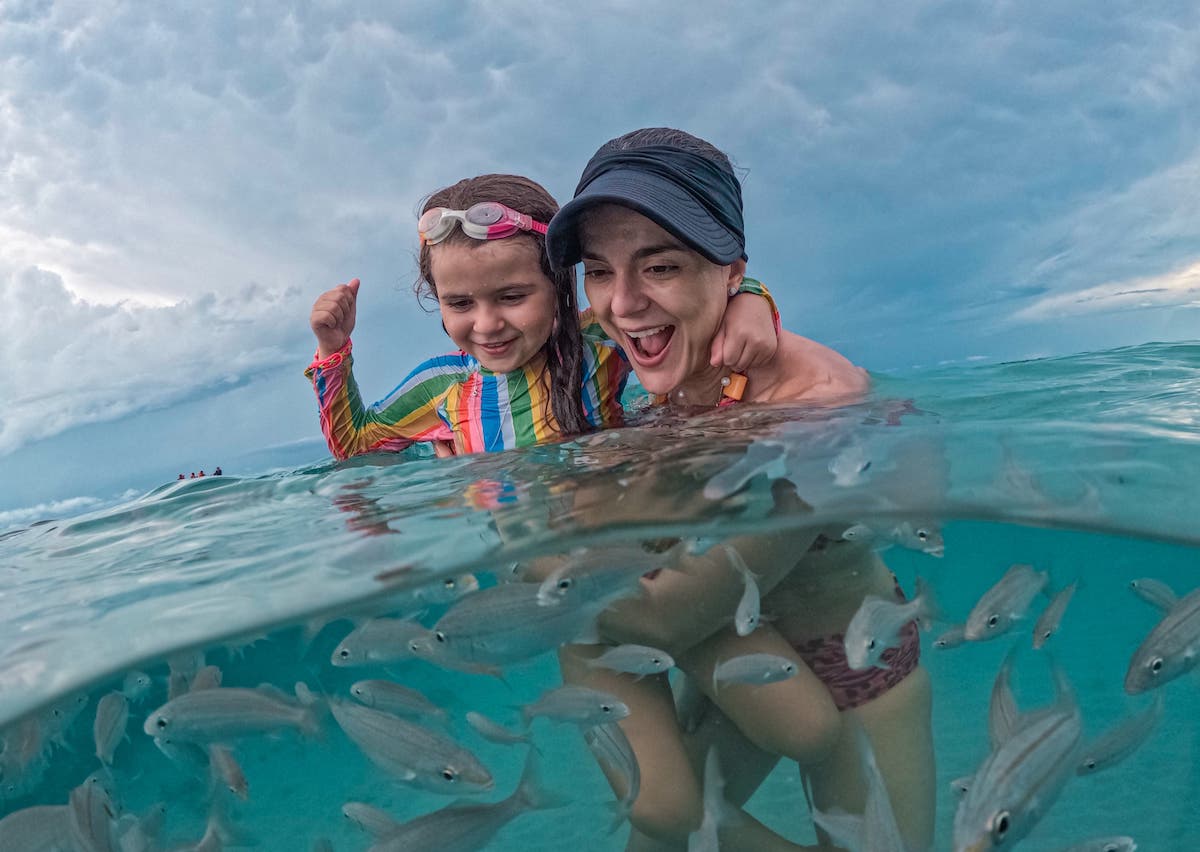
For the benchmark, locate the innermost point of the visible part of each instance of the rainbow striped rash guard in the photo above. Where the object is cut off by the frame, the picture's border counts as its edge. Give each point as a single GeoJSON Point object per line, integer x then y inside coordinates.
{"type": "Point", "coordinates": [453, 398]}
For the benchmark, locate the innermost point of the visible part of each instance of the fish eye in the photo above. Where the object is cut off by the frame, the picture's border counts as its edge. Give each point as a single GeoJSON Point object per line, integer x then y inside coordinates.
{"type": "Point", "coordinates": [1111, 847]}
{"type": "Point", "coordinates": [1000, 825]}
{"type": "Point", "coordinates": [656, 661]}
{"type": "Point", "coordinates": [450, 583]}
{"type": "Point", "coordinates": [1045, 634]}
{"type": "Point", "coordinates": [439, 635]}
{"type": "Point", "coordinates": [871, 645]}
{"type": "Point", "coordinates": [922, 534]}
{"type": "Point", "coordinates": [344, 653]}
{"type": "Point", "coordinates": [606, 708]}
{"type": "Point", "coordinates": [564, 584]}
{"type": "Point", "coordinates": [449, 774]}
{"type": "Point", "coordinates": [161, 722]}
{"type": "Point", "coordinates": [1090, 763]}
{"type": "Point", "coordinates": [993, 620]}
{"type": "Point", "coordinates": [414, 646]}
{"type": "Point", "coordinates": [1156, 665]}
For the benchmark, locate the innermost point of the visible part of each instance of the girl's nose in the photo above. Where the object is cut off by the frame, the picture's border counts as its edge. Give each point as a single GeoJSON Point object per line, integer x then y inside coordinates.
{"type": "Point", "coordinates": [487, 320]}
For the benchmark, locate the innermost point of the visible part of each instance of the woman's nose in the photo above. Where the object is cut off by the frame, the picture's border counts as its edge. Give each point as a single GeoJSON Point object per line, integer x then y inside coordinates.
{"type": "Point", "coordinates": [627, 296]}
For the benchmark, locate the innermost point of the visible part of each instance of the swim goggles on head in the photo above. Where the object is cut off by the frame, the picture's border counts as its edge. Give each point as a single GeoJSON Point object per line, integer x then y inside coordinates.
{"type": "Point", "coordinates": [487, 220]}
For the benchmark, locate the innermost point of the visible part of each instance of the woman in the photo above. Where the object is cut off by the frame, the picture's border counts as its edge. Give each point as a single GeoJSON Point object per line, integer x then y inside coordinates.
{"type": "Point", "coordinates": [657, 223]}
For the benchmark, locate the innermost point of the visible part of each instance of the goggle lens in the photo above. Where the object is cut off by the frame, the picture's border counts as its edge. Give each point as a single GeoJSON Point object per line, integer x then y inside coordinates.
{"type": "Point", "coordinates": [487, 220]}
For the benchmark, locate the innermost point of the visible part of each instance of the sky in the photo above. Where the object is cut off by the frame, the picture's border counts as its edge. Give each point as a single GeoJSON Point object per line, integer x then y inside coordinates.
{"type": "Point", "coordinates": [925, 183]}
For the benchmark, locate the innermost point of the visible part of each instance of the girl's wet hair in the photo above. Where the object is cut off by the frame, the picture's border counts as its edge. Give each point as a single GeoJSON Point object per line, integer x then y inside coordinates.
{"type": "Point", "coordinates": [564, 348]}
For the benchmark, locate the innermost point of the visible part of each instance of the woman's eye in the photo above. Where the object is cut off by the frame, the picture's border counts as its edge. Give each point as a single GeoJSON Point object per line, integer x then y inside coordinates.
{"type": "Point", "coordinates": [594, 274]}
{"type": "Point", "coordinates": [661, 269]}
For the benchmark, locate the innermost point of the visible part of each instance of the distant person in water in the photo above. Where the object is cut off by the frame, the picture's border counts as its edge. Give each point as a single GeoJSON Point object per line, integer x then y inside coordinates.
{"type": "Point", "coordinates": [193, 476]}
{"type": "Point", "coordinates": [657, 223]}
{"type": "Point", "coordinates": [202, 473]}
{"type": "Point", "coordinates": [181, 476]}
{"type": "Point", "coordinates": [217, 472]}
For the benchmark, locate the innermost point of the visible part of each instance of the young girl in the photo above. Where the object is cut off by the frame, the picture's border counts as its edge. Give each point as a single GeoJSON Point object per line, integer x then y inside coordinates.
{"type": "Point", "coordinates": [529, 368]}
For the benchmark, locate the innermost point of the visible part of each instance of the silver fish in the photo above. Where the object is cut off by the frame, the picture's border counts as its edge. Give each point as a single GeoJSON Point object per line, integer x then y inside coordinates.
{"type": "Point", "coordinates": [507, 624]}
{"type": "Point", "coordinates": [951, 638]}
{"type": "Point", "coordinates": [189, 757]}
{"type": "Point", "coordinates": [41, 828]}
{"type": "Point", "coordinates": [135, 686]}
{"type": "Point", "coordinates": [876, 830]}
{"type": "Point", "coordinates": [380, 640]}
{"type": "Point", "coordinates": [1104, 844]}
{"type": "Point", "coordinates": [228, 713]}
{"type": "Point", "coordinates": [411, 752]}
{"type": "Point", "coordinates": [394, 698]}
{"type": "Point", "coordinates": [753, 669]}
{"type": "Point", "coordinates": [758, 458]}
{"type": "Point", "coordinates": [961, 785]}
{"type": "Point", "coordinates": [611, 747]}
{"type": "Point", "coordinates": [1171, 649]}
{"type": "Point", "coordinates": [372, 820]}
{"type": "Point", "coordinates": [92, 816]}
{"type": "Point", "coordinates": [1004, 603]}
{"type": "Point", "coordinates": [1003, 713]}
{"type": "Point", "coordinates": [227, 771]}
{"type": "Point", "coordinates": [578, 705]}
{"type": "Point", "coordinates": [921, 536]}
{"type": "Point", "coordinates": [1122, 740]}
{"type": "Point", "coordinates": [468, 827]}
{"type": "Point", "coordinates": [495, 732]}
{"type": "Point", "coordinates": [182, 667]}
{"type": "Point", "coordinates": [1019, 781]}
{"type": "Point", "coordinates": [746, 617]}
{"type": "Point", "coordinates": [1154, 592]}
{"type": "Point", "coordinates": [717, 810]}
{"type": "Point", "coordinates": [633, 659]}
{"type": "Point", "coordinates": [876, 626]}
{"type": "Point", "coordinates": [208, 677]}
{"type": "Point", "coordinates": [112, 714]}
{"type": "Point", "coordinates": [609, 572]}
{"type": "Point", "coordinates": [1048, 622]}
{"type": "Point", "coordinates": [849, 465]}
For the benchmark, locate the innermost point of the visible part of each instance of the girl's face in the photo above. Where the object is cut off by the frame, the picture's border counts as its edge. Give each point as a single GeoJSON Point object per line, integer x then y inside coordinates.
{"type": "Point", "coordinates": [496, 303]}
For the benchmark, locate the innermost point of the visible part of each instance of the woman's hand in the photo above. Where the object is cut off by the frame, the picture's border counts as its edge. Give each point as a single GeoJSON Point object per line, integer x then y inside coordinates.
{"type": "Point", "coordinates": [332, 317]}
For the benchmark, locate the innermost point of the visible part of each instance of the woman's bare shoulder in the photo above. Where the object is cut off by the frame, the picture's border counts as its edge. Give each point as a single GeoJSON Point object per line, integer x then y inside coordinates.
{"type": "Point", "coordinates": [806, 370]}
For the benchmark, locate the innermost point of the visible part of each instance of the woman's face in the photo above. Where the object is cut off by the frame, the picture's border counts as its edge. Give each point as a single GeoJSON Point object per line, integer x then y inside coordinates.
{"type": "Point", "coordinates": [496, 303]}
{"type": "Point", "coordinates": [659, 300]}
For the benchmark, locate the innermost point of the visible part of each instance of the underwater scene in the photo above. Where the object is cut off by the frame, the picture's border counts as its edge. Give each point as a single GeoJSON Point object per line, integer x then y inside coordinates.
{"type": "Point", "coordinates": [964, 615]}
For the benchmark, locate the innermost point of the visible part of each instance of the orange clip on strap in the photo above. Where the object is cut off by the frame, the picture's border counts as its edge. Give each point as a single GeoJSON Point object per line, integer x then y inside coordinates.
{"type": "Point", "coordinates": [736, 386]}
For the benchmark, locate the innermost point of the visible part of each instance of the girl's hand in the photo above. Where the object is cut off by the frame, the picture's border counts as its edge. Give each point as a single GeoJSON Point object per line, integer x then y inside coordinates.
{"type": "Point", "coordinates": [332, 317]}
{"type": "Point", "coordinates": [747, 335]}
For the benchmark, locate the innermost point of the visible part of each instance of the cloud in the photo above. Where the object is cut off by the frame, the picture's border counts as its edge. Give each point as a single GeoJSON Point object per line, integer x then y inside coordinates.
{"type": "Point", "coordinates": [53, 509]}
{"type": "Point", "coordinates": [1180, 288]}
{"type": "Point", "coordinates": [71, 362]}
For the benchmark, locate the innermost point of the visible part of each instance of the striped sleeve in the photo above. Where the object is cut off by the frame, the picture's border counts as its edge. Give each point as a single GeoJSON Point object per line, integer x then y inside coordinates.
{"type": "Point", "coordinates": [408, 414]}
{"type": "Point", "coordinates": [605, 373]}
{"type": "Point", "coordinates": [757, 288]}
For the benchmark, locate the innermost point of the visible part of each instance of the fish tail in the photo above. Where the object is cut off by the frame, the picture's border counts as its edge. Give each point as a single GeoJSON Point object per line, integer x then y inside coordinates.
{"type": "Point", "coordinates": [532, 793]}
{"type": "Point", "coordinates": [622, 811]}
{"type": "Point", "coordinates": [930, 610]}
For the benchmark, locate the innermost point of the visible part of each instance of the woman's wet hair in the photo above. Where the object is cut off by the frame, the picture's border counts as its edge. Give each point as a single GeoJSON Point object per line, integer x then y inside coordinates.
{"type": "Point", "coordinates": [564, 348]}
{"type": "Point", "coordinates": [680, 139]}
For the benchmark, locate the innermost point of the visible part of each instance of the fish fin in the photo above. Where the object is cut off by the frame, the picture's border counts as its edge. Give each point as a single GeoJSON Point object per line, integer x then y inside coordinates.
{"type": "Point", "coordinates": [589, 635]}
{"type": "Point", "coordinates": [621, 812]}
{"type": "Point", "coordinates": [930, 610]}
{"type": "Point", "coordinates": [531, 791]}
{"type": "Point", "coordinates": [844, 829]}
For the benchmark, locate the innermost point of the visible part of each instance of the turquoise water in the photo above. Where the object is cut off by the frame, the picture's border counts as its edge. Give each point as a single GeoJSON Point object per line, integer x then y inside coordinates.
{"type": "Point", "coordinates": [1084, 466]}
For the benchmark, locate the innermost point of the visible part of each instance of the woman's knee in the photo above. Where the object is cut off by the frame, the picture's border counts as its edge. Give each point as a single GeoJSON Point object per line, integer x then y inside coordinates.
{"type": "Point", "coordinates": [667, 812]}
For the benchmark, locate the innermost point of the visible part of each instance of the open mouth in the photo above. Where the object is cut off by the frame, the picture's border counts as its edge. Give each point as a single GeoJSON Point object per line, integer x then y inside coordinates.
{"type": "Point", "coordinates": [649, 345]}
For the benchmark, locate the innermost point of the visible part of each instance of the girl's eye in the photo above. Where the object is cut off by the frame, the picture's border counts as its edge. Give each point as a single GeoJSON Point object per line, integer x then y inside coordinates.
{"type": "Point", "coordinates": [458, 304]}
{"type": "Point", "coordinates": [512, 298]}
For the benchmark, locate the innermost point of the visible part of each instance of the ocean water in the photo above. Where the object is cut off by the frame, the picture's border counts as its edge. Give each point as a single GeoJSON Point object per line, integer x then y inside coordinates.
{"type": "Point", "coordinates": [1087, 467]}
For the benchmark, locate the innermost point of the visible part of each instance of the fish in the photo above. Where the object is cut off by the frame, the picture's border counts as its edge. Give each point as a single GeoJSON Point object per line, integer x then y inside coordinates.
{"type": "Point", "coordinates": [410, 752]}
{"type": "Point", "coordinates": [41, 828]}
{"type": "Point", "coordinates": [394, 698]}
{"type": "Point", "coordinates": [227, 713]}
{"type": "Point", "coordinates": [961, 785]}
{"type": "Point", "coordinates": [379, 640]}
{"type": "Point", "coordinates": [469, 827]}
{"type": "Point", "coordinates": [758, 458]}
{"type": "Point", "coordinates": [508, 624]}
{"type": "Point", "coordinates": [876, 829]}
{"type": "Point", "coordinates": [226, 770]}
{"type": "Point", "coordinates": [1019, 781]}
{"type": "Point", "coordinates": [1154, 592]}
{"type": "Point", "coordinates": [849, 465]}
{"type": "Point", "coordinates": [135, 686]}
{"type": "Point", "coordinates": [1104, 844]}
{"type": "Point", "coordinates": [1003, 713]}
{"type": "Point", "coordinates": [1122, 740]}
{"type": "Point", "coordinates": [923, 537]}
{"type": "Point", "coordinates": [138, 834]}
{"type": "Point", "coordinates": [1048, 621]}
{"type": "Point", "coordinates": [1171, 649]}
{"type": "Point", "coordinates": [718, 813]}
{"type": "Point", "coordinates": [1004, 603]}
{"type": "Point", "coordinates": [638, 660]}
{"type": "Point", "coordinates": [495, 732]}
{"type": "Point", "coordinates": [612, 748]}
{"type": "Point", "coordinates": [609, 572]}
{"type": "Point", "coordinates": [189, 757]}
{"type": "Point", "coordinates": [182, 667]}
{"type": "Point", "coordinates": [372, 820]}
{"type": "Point", "coordinates": [578, 705]}
{"type": "Point", "coordinates": [746, 616]}
{"type": "Point", "coordinates": [876, 626]}
{"type": "Point", "coordinates": [753, 669]}
{"type": "Point", "coordinates": [951, 638]}
{"type": "Point", "coordinates": [208, 677]}
{"type": "Point", "coordinates": [112, 714]}
{"type": "Point", "coordinates": [92, 816]}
